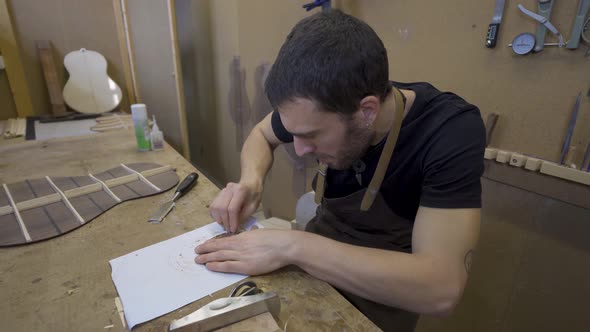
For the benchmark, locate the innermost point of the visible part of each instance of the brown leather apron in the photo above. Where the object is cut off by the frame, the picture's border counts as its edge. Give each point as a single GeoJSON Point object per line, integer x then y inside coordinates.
{"type": "Point", "coordinates": [364, 219]}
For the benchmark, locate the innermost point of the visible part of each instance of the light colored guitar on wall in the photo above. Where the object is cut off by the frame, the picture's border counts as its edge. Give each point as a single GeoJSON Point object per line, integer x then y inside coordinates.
{"type": "Point", "coordinates": [89, 89]}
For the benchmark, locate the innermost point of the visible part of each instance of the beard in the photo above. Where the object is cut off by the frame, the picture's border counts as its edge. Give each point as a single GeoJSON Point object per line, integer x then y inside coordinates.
{"type": "Point", "coordinates": [356, 143]}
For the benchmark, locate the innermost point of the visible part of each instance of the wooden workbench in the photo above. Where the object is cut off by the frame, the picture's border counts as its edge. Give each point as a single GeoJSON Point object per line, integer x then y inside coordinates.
{"type": "Point", "coordinates": [64, 284]}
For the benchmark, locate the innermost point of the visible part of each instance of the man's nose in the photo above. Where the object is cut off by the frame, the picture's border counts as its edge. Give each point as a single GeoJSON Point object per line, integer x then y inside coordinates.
{"type": "Point", "coordinates": [301, 147]}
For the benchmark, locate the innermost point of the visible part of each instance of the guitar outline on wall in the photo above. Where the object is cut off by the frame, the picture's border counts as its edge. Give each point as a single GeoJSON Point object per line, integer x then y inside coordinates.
{"type": "Point", "coordinates": [89, 89]}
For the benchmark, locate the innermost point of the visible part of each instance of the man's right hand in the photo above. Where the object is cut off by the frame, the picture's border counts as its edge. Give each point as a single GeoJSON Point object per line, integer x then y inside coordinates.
{"type": "Point", "coordinates": [234, 204]}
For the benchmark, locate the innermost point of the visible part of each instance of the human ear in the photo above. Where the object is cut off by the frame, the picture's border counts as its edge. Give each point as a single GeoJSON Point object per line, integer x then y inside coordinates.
{"type": "Point", "coordinates": [369, 109]}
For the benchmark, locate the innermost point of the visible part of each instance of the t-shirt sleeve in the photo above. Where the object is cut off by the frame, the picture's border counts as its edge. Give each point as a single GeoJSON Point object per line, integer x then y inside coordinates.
{"type": "Point", "coordinates": [279, 130]}
{"type": "Point", "coordinates": [453, 164]}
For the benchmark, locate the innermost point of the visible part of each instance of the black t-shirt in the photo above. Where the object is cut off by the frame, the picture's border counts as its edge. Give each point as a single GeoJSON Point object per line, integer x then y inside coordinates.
{"type": "Point", "coordinates": [437, 161]}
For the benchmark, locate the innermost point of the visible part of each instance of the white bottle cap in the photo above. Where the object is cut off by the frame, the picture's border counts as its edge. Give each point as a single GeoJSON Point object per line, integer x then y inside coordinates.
{"type": "Point", "coordinates": [138, 111]}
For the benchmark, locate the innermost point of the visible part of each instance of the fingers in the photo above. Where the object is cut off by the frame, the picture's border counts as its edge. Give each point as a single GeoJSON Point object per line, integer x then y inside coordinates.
{"type": "Point", "coordinates": [229, 267]}
{"type": "Point", "coordinates": [234, 204]}
{"type": "Point", "coordinates": [217, 256]}
{"type": "Point", "coordinates": [235, 209]}
{"type": "Point", "coordinates": [219, 207]}
{"type": "Point", "coordinates": [226, 243]}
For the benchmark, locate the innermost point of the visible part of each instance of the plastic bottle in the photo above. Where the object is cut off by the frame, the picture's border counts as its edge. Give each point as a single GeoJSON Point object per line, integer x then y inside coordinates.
{"type": "Point", "coordinates": [142, 130]}
{"type": "Point", "coordinates": [156, 137]}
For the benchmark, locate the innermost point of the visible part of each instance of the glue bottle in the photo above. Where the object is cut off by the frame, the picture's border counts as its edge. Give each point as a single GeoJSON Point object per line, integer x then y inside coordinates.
{"type": "Point", "coordinates": [140, 123]}
{"type": "Point", "coordinates": [156, 137]}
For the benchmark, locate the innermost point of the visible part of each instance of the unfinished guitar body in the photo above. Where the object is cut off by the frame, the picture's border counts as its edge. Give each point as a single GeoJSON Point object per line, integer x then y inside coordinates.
{"type": "Point", "coordinates": [39, 209]}
{"type": "Point", "coordinates": [89, 89]}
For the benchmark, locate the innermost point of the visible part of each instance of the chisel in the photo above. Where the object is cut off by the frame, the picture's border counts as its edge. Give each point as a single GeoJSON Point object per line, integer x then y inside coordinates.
{"type": "Point", "coordinates": [494, 27]}
{"type": "Point", "coordinates": [187, 184]}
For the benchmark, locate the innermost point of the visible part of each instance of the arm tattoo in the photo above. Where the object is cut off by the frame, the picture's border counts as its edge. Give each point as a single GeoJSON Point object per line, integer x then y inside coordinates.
{"type": "Point", "coordinates": [468, 260]}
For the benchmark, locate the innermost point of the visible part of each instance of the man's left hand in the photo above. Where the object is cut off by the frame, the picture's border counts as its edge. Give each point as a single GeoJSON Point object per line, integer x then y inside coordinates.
{"type": "Point", "coordinates": [251, 253]}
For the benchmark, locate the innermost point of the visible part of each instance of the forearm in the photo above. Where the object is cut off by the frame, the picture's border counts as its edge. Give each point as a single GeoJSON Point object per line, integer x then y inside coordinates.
{"type": "Point", "coordinates": [407, 281]}
{"type": "Point", "coordinates": [256, 159]}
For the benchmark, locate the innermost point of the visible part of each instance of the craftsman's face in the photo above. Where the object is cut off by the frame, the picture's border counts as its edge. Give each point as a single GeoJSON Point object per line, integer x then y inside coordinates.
{"type": "Point", "coordinates": [331, 138]}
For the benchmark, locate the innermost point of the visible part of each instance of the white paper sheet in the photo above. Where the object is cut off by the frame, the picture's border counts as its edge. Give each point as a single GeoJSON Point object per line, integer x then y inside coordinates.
{"type": "Point", "coordinates": [163, 277]}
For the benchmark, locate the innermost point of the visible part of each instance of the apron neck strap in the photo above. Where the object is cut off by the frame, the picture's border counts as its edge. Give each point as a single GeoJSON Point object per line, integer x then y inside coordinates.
{"type": "Point", "coordinates": [378, 176]}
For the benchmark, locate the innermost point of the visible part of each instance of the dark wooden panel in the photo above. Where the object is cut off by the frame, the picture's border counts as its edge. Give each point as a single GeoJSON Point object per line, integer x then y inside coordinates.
{"type": "Point", "coordinates": [40, 187]}
{"type": "Point", "coordinates": [507, 218]}
{"type": "Point", "coordinates": [552, 289]}
{"type": "Point", "coordinates": [124, 192]}
{"type": "Point", "coordinates": [20, 191]}
{"type": "Point", "coordinates": [56, 218]}
{"type": "Point", "coordinates": [118, 172]}
{"type": "Point", "coordinates": [86, 207]}
{"type": "Point", "coordinates": [102, 199]}
{"type": "Point", "coordinates": [36, 221]}
{"type": "Point", "coordinates": [10, 232]}
{"type": "Point", "coordinates": [3, 198]}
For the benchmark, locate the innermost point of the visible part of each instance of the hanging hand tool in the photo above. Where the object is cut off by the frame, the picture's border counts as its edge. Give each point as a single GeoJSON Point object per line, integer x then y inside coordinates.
{"type": "Point", "coordinates": [494, 27]}
{"type": "Point", "coordinates": [579, 23]}
{"type": "Point", "coordinates": [326, 5]}
{"type": "Point", "coordinates": [187, 184]}
{"type": "Point", "coordinates": [570, 129]}
{"type": "Point", "coordinates": [490, 125]}
{"type": "Point", "coordinates": [544, 21]}
{"type": "Point", "coordinates": [545, 7]}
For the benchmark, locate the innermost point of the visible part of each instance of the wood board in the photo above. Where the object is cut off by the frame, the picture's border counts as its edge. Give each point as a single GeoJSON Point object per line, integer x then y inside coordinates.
{"type": "Point", "coordinates": [38, 209]}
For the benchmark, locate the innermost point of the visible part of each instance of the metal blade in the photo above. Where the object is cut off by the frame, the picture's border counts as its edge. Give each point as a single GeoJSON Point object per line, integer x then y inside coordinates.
{"type": "Point", "coordinates": [498, 11]}
{"type": "Point", "coordinates": [162, 212]}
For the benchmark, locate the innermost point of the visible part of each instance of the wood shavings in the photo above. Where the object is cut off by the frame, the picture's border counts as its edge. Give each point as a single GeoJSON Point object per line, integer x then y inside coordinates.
{"type": "Point", "coordinates": [72, 291]}
{"type": "Point", "coordinates": [119, 306]}
{"type": "Point", "coordinates": [15, 128]}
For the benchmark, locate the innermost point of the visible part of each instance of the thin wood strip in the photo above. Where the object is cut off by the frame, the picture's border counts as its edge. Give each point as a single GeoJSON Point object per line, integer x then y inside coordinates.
{"type": "Point", "coordinates": [66, 201]}
{"type": "Point", "coordinates": [121, 180]}
{"type": "Point", "coordinates": [4, 210]}
{"type": "Point", "coordinates": [105, 188]}
{"type": "Point", "coordinates": [23, 228]}
{"type": "Point", "coordinates": [124, 49]}
{"type": "Point", "coordinates": [141, 177]}
{"type": "Point", "coordinates": [155, 171]}
{"type": "Point", "coordinates": [130, 51]}
{"type": "Point", "coordinates": [37, 202]}
{"type": "Point", "coordinates": [171, 4]}
{"type": "Point", "coordinates": [103, 129]}
{"type": "Point", "coordinates": [91, 188]}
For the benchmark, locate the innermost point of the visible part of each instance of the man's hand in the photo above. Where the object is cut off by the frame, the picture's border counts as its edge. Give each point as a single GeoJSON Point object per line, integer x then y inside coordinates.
{"type": "Point", "coordinates": [251, 253]}
{"type": "Point", "coordinates": [234, 204]}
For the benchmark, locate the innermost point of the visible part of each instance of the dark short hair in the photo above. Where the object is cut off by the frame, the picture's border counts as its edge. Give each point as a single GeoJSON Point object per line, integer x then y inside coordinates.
{"type": "Point", "coordinates": [333, 59]}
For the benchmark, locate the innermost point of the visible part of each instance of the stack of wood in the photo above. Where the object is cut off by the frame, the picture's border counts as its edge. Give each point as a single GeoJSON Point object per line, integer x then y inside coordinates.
{"type": "Point", "coordinates": [112, 122]}
{"type": "Point", "coordinates": [15, 127]}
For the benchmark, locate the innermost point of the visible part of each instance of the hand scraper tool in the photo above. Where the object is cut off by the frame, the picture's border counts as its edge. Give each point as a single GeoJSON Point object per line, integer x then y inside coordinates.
{"type": "Point", "coordinates": [187, 184]}
{"type": "Point", "coordinates": [494, 28]}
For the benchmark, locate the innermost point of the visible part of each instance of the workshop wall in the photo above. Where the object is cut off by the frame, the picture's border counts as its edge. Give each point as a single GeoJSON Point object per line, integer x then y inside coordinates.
{"type": "Point", "coordinates": [154, 65]}
{"type": "Point", "coordinates": [527, 274]}
{"type": "Point", "coordinates": [444, 44]}
{"type": "Point", "coordinates": [69, 25]}
{"type": "Point", "coordinates": [533, 94]}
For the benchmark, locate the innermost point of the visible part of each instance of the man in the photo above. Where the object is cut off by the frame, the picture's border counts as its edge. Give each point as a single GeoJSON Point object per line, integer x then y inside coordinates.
{"type": "Point", "coordinates": [394, 236]}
